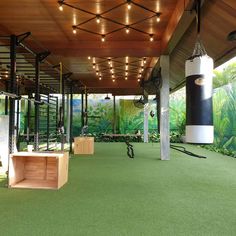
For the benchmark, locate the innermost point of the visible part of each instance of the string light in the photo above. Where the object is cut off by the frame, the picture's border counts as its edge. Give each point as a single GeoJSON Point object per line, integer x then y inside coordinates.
{"type": "Point", "coordinates": [89, 57]}
{"type": "Point", "coordinates": [98, 19]}
{"type": "Point", "coordinates": [144, 60]}
{"type": "Point", "coordinates": [94, 65]}
{"type": "Point", "coordinates": [74, 29]}
{"type": "Point", "coordinates": [103, 38]}
{"type": "Point", "coordinates": [100, 78]}
{"type": "Point", "coordinates": [127, 59]}
{"type": "Point", "coordinates": [158, 17]}
{"type": "Point", "coordinates": [138, 80]}
{"type": "Point", "coordinates": [126, 73]}
{"type": "Point", "coordinates": [113, 80]}
{"type": "Point", "coordinates": [126, 77]}
{"type": "Point", "coordinates": [126, 66]}
{"type": "Point", "coordinates": [94, 60]}
{"type": "Point", "coordinates": [109, 61]}
{"type": "Point", "coordinates": [112, 76]}
{"type": "Point", "coordinates": [151, 37]}
{"type": "Point", "coordinates": [127, 29]}
{"type": "Point", "coordinates": [60, 2]}
{"type": "Point", "coordinates": [129, 4]}
{"type": "Point", "coordinates": [97, 72]}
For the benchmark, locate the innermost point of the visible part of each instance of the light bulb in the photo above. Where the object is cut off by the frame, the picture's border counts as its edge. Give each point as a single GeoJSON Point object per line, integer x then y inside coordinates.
{"type": "Point", "coordinates": [128, 4]}
{"type": "Point", "coordinates": [60, 7]}
{"type": "Point", "coordinates": [158, 17]}
{"type": "Point", "coordinates": [126, 78]}
{"type": "Point", "coordinates": [103, 38]}
{"type": "Point", "coordinates": [127, 29]}
{"type": "Point", "coordinates": [100, 78]}
{"type": "Point", "coordinates": [145, 60]}
{"type": "Point", "coordinates": [74, 29]}
{"type": "Point", "coordinates": [126, 73]}
{"type": "Point", "coordinates": [98, 19]}
{"type": "Point", "coordinates": [89, 57]}
{"type": "Point", "coordinates": [151, 37]}
{"type": "Point", "coordinates": [113, 80]}
{"type": "Point", "coordinates": [94, 66]}
{"type": "Point", "coordinates": [138, 80]}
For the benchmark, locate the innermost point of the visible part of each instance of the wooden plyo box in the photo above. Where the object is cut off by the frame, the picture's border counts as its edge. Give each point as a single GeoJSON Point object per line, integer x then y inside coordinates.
{"type": "Point", "coordinates": [38, 170]}
{"type": "Point", "coordinates": [84, 145]}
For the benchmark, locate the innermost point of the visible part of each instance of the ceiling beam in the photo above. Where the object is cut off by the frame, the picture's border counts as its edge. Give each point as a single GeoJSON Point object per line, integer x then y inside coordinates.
{"type": "Point", "coordinates": [178, 24]}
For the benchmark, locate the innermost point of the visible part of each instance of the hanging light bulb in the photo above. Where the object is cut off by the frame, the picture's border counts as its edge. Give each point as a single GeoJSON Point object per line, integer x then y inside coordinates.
{"type": "Point", "coordinates": [60, 2]}
{"type": "Point", "coordinates": [158, 17]}
{"type": "Point", "coordinates": [109, 61]}
{"type": "Point", "coordinates": [97, 72]}
{"type": "Point", "coordinates": [89, 57]}
{"type": "Point", "coordinates": [151, 37]}
{"type": "Point", "coordinates": [113, 80]}
{"type": "Point", "coordinates": [129, 4]}
{"type": "Point", "coordinates": [126, 73]}
{"type": "Point", "coordinates": [100, 78]}
{"type": "Point", "coordinates": [144, 60]}
{"type": "Point", "coordinates": [103, 38]}
{"type": "Point", "coordinates": [94, 65]}
{"type": "Point", "coordinates": [94, 60]}
{"type": "Point", "coordinates": [126, 66]}
{"type": "Point", "coordinates": [126, 77]}
{"type": "Point", "coordinates": [74, 29]}
{"type": "Point", "coordinates": [112, 76]}
{"type": "Point", "coordinates": [138, 80]}
{"type": "Point", "coordinates": [98, 19]}
{"type": "Point", "coordinates": [127, 29]}
{"type": "Point", "coordinates": [127, 59]}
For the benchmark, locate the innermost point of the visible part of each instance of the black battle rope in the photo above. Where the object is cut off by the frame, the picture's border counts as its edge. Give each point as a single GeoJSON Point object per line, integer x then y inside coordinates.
{"type": "Point", "coordinates": [130, 150]}
{"type": "Point", "coordinates": [183, 150]}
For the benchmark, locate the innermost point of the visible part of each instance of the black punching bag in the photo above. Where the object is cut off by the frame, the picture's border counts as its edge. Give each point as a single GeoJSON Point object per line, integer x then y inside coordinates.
{"type": "Point", "coordinates": [199, 113]}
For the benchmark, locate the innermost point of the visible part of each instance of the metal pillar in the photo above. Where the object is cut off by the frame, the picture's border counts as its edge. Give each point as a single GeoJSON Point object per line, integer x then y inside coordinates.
{"type": "Point", "coordinates": [71, 116]}
{"type": "Point", "coordinates": [17, 117]}
{"type": "Point", "coordinates": [6, 99]}
{"type": "Point", "coordinates": [48, 122]}
{"type": "Point", "coordinates": [158, 111]}
{"type": "Point", "coordinates": [86, 108]}
{"type": "Point", "coordinates": [164, 109]}
{"type": "Point", "coordinates": [114, 114]}
{"type": "Point", "coordinates": [13, 44]}
{"type": "Point", "coordinates": [62, 113]}
{"type": "Point", "coordinates": [68, 118]}
{"type": "Point", "coordinates": [145, 123]}
{"type": "Point", "coordinates": [37, 98]}
{"type": "Point", "coordinates": [82, 110]}
{"type": "Point", "coordinates": [28, 120]}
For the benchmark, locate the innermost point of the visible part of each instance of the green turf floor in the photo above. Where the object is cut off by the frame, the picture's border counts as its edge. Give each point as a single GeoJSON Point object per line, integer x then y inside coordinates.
{"type": "Point", "coordinates": [109, 194]}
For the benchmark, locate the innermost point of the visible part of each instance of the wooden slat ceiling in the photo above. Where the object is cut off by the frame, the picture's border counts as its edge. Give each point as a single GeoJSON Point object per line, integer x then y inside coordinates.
{"type": "Point", "coordinates": [52, 28]}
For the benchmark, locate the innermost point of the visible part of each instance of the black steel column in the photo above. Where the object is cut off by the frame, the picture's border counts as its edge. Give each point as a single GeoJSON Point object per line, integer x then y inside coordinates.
{"type": "Point", "coordinates": [37, 98]}
{"type": "Point", "coordinates": [71, 116]}
{"type": "Point", "coordinates": [12, 90]}
{"type": "Point", "coordinates": [17, 117]}
{"type": "Point", "coordinates": [86, 108]}
{"type": "Point", "coordinates": [57, 125]}
{"type": "Point", "coordinates": [48, 122]}
{"type": "Point", "coordinates": [158, 111]}
{"type": "Point", "coordinates": [82, 110]}
{"type": "Point", "coordinates": [6, 99]}
{"type": "Point", "coordinates": [114, 114]}
{"type": "Point", "coordinates": [28, 120]}
{"type": "Point", "coordinates": [63, 114]}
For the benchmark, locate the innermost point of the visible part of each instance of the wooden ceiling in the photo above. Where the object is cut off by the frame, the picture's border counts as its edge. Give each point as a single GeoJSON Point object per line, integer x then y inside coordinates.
{"type": "Point", "coordinates": [174, 34]}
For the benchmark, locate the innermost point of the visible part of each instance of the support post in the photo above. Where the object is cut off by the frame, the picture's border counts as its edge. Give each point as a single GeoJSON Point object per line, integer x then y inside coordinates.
{"type": "Point", "coordinates": [71, 116]}
{"type": "Point", "coordinates": [48, 122]}
{"type": "Point", "coordinates": [68, 111]}
{"type": "Point", "coordinates": [13, 44]}
{"type": "Point", "coordinates": [28, 121]}
{"type": "Point", "coordinates": [63, 114]}
{"type": "Point", "coordinates": [145, 123]}
{"type": "Point", "coordinates": [114, 114]}
{"type": "Point", "coordinates": [18, 104]}
{"type": "Point", "coordinates": [6, 99]}
{"type": "Point", "coordinates": [164, 108]}
{"type": "Point", "coordinates": [86, 108]}
{"type": "Point", "coordinates": [36, 104]}
{"type": "Point", "coordinates": [82, 110]}
{"type": "Point", "coordinates": [158, 111]}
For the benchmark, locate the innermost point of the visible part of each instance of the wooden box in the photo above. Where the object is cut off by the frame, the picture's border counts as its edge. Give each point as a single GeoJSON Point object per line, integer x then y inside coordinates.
{"type": "Point", "coordinates": [84, 145]}
{"type": "Point", "coordinates": [38, 170]}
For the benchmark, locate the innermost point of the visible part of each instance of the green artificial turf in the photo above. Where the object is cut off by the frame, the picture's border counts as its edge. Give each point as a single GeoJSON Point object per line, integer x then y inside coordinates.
{"type": "Point", "coordinates": [109, 194]}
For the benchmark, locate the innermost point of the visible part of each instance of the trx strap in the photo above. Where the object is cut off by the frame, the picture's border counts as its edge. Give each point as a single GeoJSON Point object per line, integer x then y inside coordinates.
{"type": "Point", "coordinates": [130, 151]}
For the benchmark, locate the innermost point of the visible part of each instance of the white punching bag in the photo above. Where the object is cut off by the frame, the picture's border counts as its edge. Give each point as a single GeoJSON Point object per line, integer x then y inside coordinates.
{"type": "Point", "coordinates": [199, 111]}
